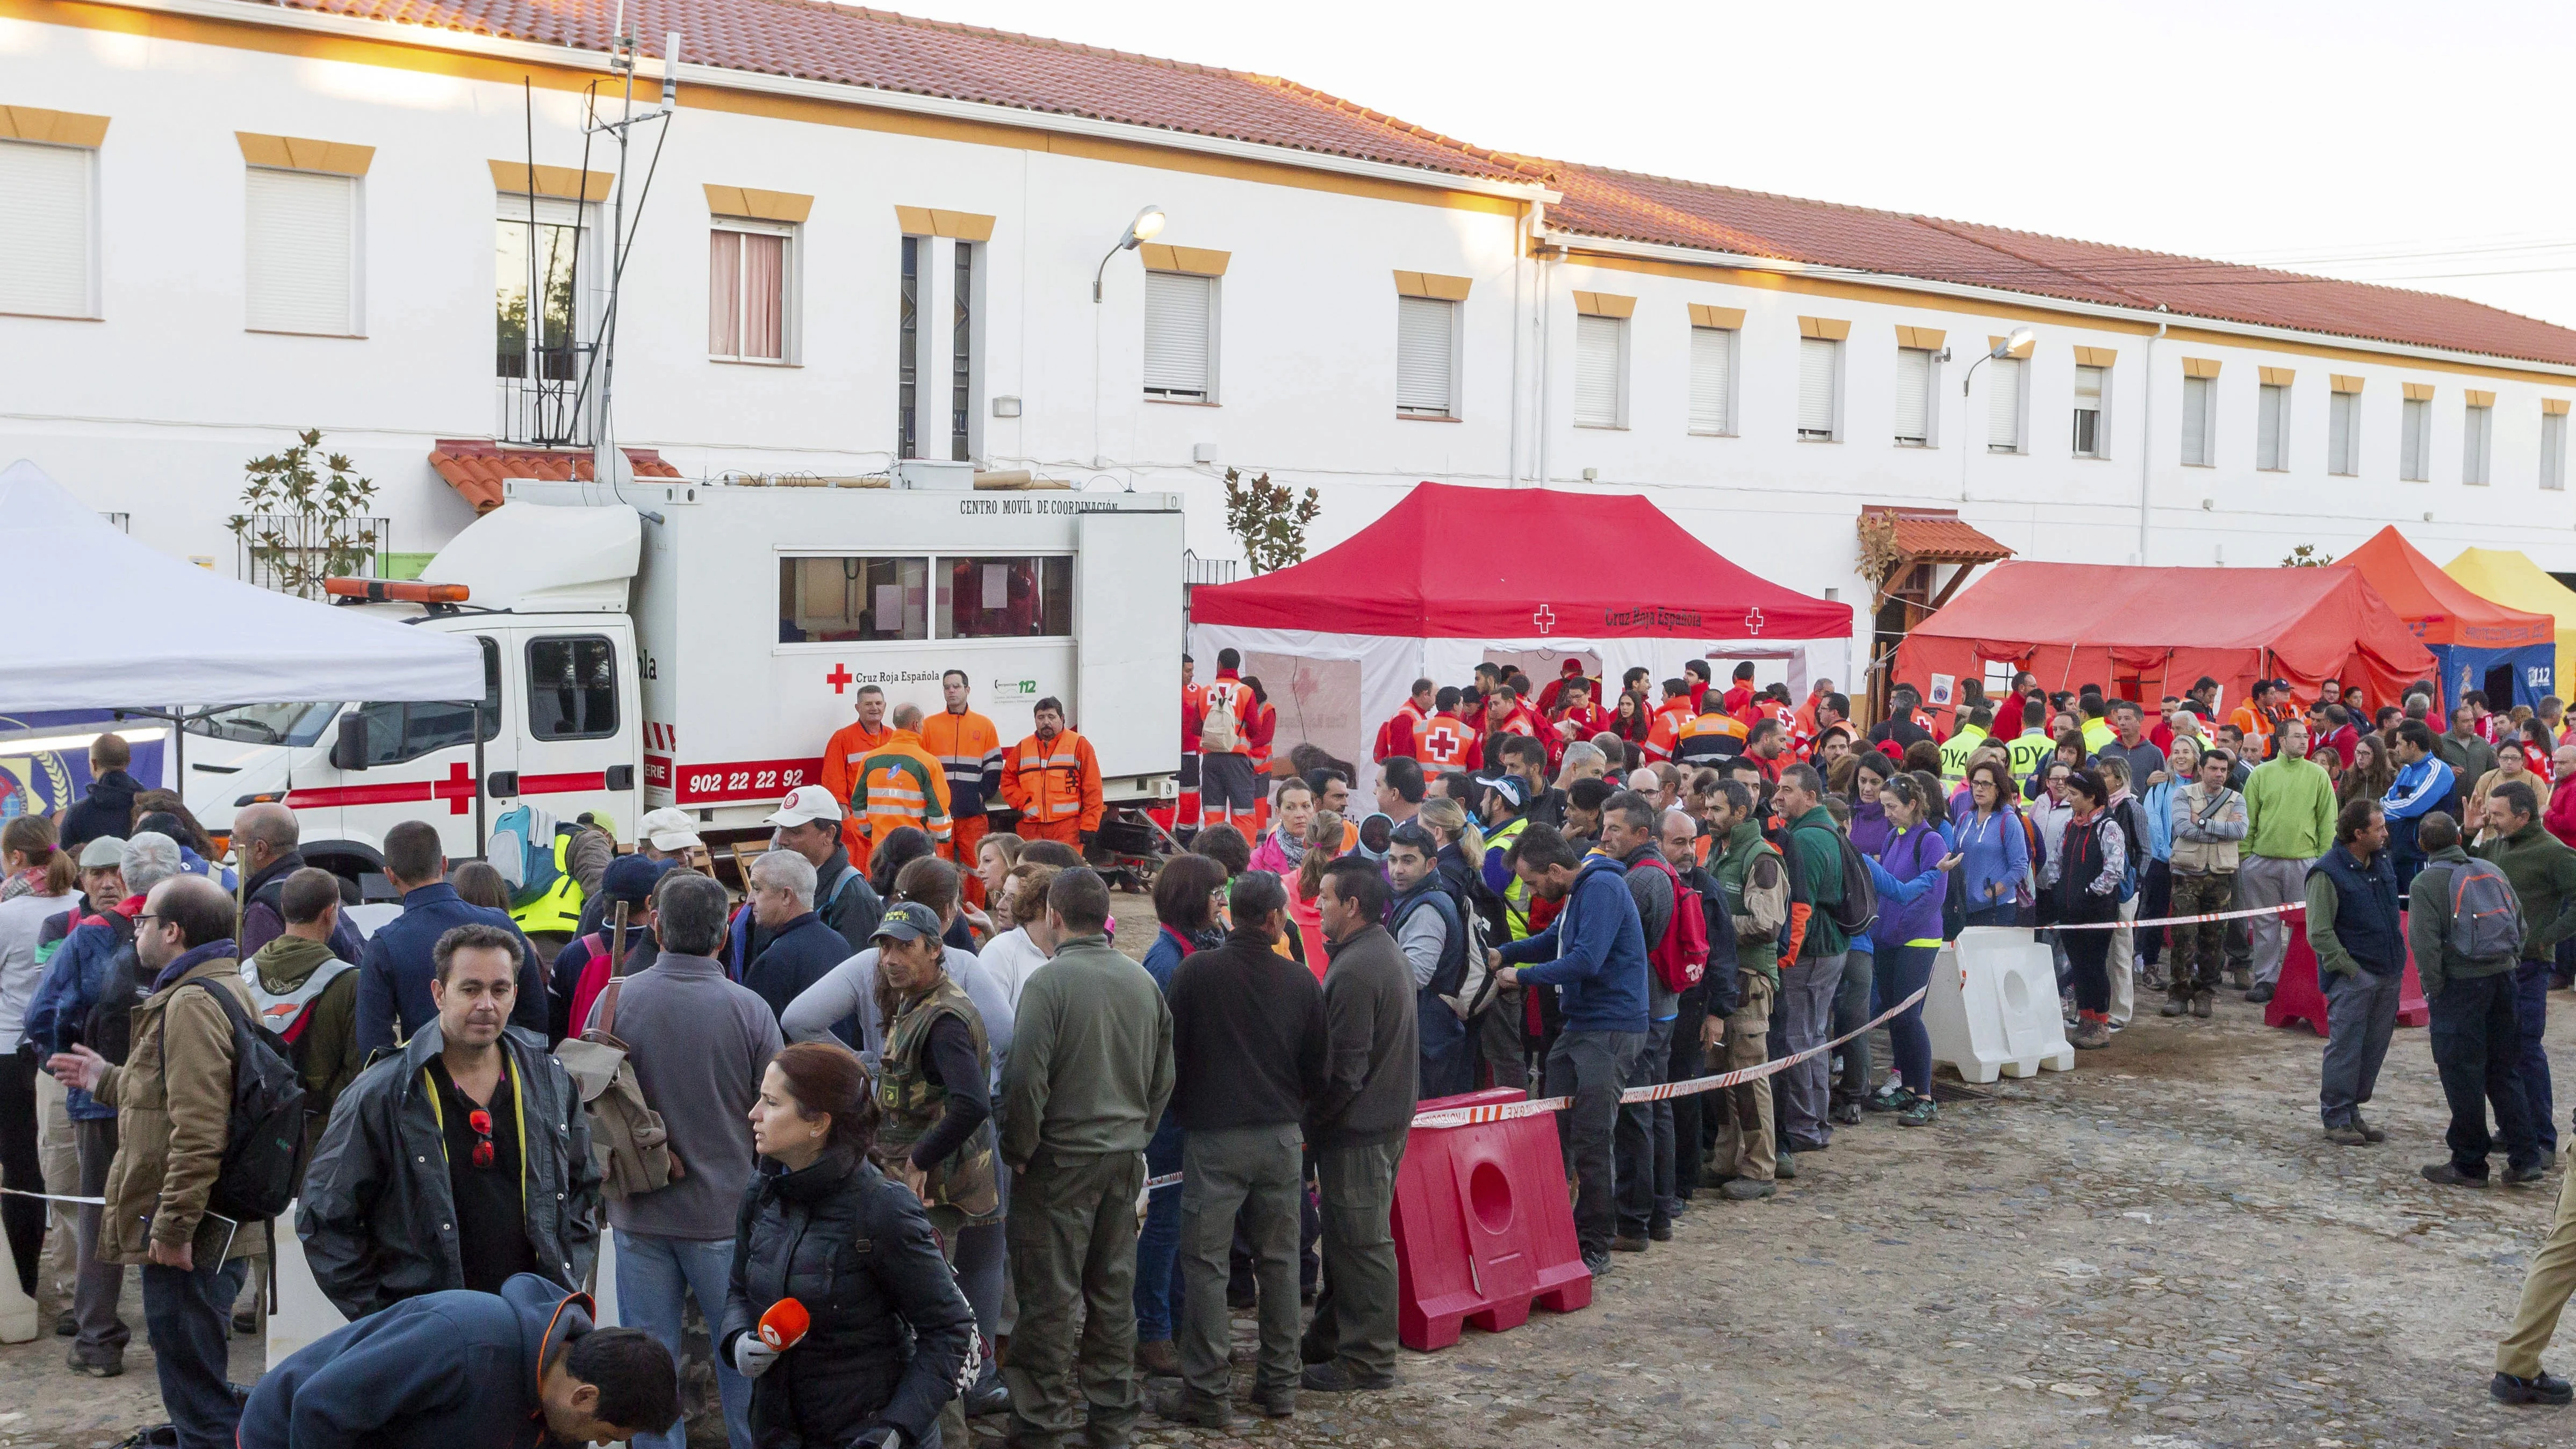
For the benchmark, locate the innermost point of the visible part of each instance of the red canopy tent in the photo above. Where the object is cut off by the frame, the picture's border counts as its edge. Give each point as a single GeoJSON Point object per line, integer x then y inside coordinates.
{"type": "Point", "coordinates": [2144, 633]}
{"type": "Point", "coordinates": [2476, 643]}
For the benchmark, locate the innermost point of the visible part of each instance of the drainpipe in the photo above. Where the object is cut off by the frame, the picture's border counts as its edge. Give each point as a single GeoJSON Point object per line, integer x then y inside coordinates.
{"type": "Point", "coordinates": [2147, 439]}
{"type": "Point", "coordinates": [1541, 321]}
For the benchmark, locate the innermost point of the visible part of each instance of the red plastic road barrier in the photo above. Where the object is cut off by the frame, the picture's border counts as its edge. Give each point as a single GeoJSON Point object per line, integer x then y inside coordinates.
{"type": "Point", "coordinates": [2298, 997]}
{"type": "Point", "coordinates": [1483, 1226]}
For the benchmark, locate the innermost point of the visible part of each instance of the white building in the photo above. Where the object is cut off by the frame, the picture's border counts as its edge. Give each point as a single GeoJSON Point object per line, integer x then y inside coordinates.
{"type": "Point", "coordinates": [223, 220]}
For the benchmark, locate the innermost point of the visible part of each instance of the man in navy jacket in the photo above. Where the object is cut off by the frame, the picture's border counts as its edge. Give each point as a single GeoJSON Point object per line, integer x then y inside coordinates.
{"type": "Point", "coordinates": [514, 1368]}
{"type": "Point", "coordinates": [393, 979]}
{"type": "Point", "coordinates": [1594, 954]}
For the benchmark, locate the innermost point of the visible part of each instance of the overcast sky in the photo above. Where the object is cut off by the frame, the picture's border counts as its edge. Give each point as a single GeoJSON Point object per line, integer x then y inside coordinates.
{"type": "Point", "coordinates": [2380, 141]}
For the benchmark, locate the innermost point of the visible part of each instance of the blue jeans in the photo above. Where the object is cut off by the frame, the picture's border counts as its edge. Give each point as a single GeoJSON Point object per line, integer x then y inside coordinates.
{"type": "Point", "coordinates": [187, 1316]}
{"type": "Point", "coordinates": [1158, 1244]}
{"type": "Point", "coordinates": [1904, 972]}
{"type": "Point", "coordinates": [2531, 1011]}
{"type": "Point", "coordinates": [654, 1275]}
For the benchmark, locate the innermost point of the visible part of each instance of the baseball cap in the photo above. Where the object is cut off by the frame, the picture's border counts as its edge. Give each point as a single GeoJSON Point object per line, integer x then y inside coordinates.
{"type": "Point", "coordinates": [631, 878]}
{"type": "Point", "coordinates": [908, 921]}
{"type": "Point", "coordinates": [670, 828]}
{"type": "Point", "coordinates": [1510, 788]}
{"type": "Point", "coordinates": [103, 853]}
{"type": "Point", "coordinates": [804, 805]}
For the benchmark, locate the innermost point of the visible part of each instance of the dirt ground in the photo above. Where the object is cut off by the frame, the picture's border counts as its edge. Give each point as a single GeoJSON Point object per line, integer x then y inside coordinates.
{"type": "Point", "coordinates": [2155, 1251]}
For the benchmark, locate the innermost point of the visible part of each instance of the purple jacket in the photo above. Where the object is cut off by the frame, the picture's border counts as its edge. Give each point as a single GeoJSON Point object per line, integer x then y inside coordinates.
{"type": "Point", "coordinates": [1869, 832]}
{"type": "Point", "coordinates": [1905, 857]}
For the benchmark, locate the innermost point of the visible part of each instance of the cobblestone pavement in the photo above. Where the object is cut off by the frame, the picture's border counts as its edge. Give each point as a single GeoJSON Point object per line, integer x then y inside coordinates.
{"type": "Point", "coordinates": [2157, 1251]}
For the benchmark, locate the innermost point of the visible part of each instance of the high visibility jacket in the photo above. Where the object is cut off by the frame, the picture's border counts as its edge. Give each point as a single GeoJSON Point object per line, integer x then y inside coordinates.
{"type": "Point", "coordinates": [1191, 696]}
{"type": "Point", "coordinates": [1955, 752]}
{"type": "Point", "coordinates": [901, 784]}
{"type": "Point", "coordinates": [1516, 895]}
{"type": "Point", "coordinates": [849, 746]}
{"type": "Point", "coordinates": [1444, 742]}
{"type": "Point", "coordinates": [970, 753]}
{"type": "Point", "coordinates": [2028, 751]}
{"type": "Point", "coordinates": [559, 909]}
{"type": "Point", "coordinates": [1397, 735]}
{"type": "Point", "coordinates": [2097, 733]}
{"type": "Point", "coordinates": [1054, 780]}
{"type": "Point", "coordinates": [1709, 739]}
{"type": "Point", "coordinates": [2256, 725]}
{"type": "Point", "coordinates": [1227, 691]}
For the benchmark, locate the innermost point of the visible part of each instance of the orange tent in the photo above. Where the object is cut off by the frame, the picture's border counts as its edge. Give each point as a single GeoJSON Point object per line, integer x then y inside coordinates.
{"type": "Point", "coordinates": [2478, 644]}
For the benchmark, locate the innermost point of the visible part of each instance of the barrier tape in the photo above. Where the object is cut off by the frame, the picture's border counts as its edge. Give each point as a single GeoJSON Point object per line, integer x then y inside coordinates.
{"type": "Point", "coordinates": [53, 1197]}
{"type": "Point", "coordinates": [2279, 910]}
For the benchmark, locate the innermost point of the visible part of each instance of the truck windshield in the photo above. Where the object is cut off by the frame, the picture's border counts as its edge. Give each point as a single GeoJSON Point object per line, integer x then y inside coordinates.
{"type": "Point", "coordinates": [267, 724]}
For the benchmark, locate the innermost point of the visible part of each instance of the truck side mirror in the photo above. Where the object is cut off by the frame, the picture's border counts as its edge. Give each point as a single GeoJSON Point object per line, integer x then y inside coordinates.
{"type": "Point", "coordinates": [349, 750]}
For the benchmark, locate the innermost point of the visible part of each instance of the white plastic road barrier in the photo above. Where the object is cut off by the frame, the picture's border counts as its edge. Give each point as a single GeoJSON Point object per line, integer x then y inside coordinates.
{"type": "Point", "coordinates": [1993, 1006]}
{"type": "Point", "coordinates": [17, 1310]}
{"type": "Point", "coordinates": [303, 1314]}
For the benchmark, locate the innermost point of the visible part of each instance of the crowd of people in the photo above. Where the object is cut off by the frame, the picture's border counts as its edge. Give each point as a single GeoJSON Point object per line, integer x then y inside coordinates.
{"type": "Point", "coordinates": [923, 1143]}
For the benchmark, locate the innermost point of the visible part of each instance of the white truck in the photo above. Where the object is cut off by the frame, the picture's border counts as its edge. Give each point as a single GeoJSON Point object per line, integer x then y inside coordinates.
{"type": "Point", "coordinates": [695, 644]}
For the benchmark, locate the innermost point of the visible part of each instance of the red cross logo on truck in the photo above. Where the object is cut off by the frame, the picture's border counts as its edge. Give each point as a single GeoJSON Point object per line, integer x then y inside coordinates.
{"type": "Point", "coordinates": [457, 789]}
{"type": "Point", "coordinates": [839, 678]}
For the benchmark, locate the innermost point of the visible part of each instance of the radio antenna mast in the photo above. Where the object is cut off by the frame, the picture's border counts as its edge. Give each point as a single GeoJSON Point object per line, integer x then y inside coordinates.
{"type": "Point", "coordinates": [608, 461]}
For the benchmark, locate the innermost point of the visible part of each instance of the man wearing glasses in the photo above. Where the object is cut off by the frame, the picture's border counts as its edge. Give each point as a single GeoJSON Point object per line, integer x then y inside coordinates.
{"type": "Point", "coordinates": [461, 1160]}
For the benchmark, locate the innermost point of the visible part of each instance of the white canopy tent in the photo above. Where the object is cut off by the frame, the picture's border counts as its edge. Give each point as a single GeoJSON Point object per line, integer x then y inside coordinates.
{"type": "Point", "coordinates": [182, 635]}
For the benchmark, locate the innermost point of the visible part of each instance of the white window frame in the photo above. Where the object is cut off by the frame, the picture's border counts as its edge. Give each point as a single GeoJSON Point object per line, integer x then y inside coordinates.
{"type": "Point", "coordinates": [790, 287]}
{"type": "Point", "coordinates": [2013, 375]}
{"type": "Point", "coordinates": [2553, 452]}
{"type": "Point", "coordinates": [1797, 419]}
{"type": "Point", "coordinates": [1457, 312]}
{"type": "Point", "coordinates": [1207, 394]}
{"type": "Point", "coordinates": [1931, 400]}
{"type": "Point", "coordinates": [2101, 411]}
{"type": "Point", "coordinates": [2206, 444]}
{"type": "Point", "coordinates": [1727, 341]}
{"type": "Point", "coordinates": [356, 317]}
{"type": "Point", "coordinates": [2415, 440]}
{"type": "Point", "coordinates": [1616, 330]}
{"type": "Point", "coordinates": [2477, 445]}
{"type": "Point", "coordinates": [2277, 396]}
{"type": "Point", "coordinates": [90, 308]}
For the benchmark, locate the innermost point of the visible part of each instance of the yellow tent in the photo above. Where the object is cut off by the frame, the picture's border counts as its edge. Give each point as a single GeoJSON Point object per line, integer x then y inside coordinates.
{"type": "Point", "coordinates": [2509, 577]}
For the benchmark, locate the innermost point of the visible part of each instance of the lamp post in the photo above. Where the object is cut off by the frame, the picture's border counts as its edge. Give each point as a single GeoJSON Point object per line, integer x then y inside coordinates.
{"type": "Point", "coordinates": [2021, 337]}
{"type": "Point", "coordinates": [1147, 225]}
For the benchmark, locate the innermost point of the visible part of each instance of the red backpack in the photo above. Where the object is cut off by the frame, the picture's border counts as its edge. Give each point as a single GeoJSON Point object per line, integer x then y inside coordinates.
{"type": "Point", "coordinates": [1681, 957]}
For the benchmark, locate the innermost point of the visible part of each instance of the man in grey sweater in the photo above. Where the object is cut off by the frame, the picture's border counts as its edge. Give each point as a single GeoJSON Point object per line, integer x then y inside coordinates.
{"type": "Point", "coordinates": [699, 1044]}
{"type": "Point", "coordinates": [1628, 832]}
{"type": "Point", "coordinates": [1357, 1130]}
{"type": "Point", "coordinates": [1089, 1076]}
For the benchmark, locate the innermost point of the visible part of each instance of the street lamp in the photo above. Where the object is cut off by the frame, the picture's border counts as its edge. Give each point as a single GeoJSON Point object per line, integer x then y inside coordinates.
{"type": "Point", "coordinates": [2021, 337]}
{"type": "Point", "coordinates": [1147, 225]}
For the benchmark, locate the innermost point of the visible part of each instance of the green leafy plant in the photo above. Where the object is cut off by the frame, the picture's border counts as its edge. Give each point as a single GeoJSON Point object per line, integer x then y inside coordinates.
{"type": "Point", "coordinates": [309, 523]}
{"type": "Point", "coordinates": [1270, 519]}
{"type": "Point", "coordinates": [2305, 556]}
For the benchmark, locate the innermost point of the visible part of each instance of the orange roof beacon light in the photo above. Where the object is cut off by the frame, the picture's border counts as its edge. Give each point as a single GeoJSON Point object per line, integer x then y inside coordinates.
{"type": "Point", "coordinates": [394, 591]}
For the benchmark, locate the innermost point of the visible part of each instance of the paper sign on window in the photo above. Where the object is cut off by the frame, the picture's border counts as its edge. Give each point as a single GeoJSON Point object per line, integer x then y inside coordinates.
{"type": "Point", "coordinates": [997, 585]}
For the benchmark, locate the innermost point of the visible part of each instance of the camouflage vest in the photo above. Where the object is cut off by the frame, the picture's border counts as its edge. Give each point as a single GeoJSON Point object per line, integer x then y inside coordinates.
{"type": "Point", "coordinates": [911, 1104]}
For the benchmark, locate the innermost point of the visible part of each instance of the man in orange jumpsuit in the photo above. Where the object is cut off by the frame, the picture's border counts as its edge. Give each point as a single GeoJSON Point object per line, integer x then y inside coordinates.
{"type": "Point", "coordinates": [1053, 779]}
{"type": "Point", "coordinates": [842, 754]}
{"type": "Point", "coordinates": [970, 752]}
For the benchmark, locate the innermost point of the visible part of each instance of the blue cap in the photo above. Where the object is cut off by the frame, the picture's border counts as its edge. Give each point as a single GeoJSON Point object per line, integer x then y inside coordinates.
{"type": "Point", "coordinates": [631, 878]}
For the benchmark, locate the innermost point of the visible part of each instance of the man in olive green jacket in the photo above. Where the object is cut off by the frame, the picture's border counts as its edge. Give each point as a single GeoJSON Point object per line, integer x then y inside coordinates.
{"type": "Point", "coordinates": [2474, 1036]}
{"type": "Point", "coordinates": [1089, 1074]}
{"type": "Point", "coordinates": [173, 1101]}
{"type": "Point", "coordinates": [2543, 873]}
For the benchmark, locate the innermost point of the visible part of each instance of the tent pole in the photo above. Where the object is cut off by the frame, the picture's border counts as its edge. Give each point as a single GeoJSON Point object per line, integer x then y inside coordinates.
{"type": "Point", "coordinates": [480, 834]}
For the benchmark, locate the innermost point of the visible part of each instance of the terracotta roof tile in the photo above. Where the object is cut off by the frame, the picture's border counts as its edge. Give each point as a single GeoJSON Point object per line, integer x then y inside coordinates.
{"type": "Point", "coordinates": [849, 45]}
{"type": "Point", "coordinates": [476, 469]}
{"type": "Point", "coordinates": [1633, 207]}
{"type": "Point", "coordinates": [1938, 535]}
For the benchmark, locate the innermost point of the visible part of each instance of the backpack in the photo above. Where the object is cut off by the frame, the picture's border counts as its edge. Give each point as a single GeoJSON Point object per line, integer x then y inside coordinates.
{"type": "Point", "coordinates": [2486, 919]}
{"type": "Point", "coordinates": [285, 1014]}
{"type": "Point", "coordinates": [1766, 907]}
{"type": "Point", "coordinates": [1681, 957]}
{"type": "Point", "coordinates": [2133, 825]}
{"type": "Point", "coordinates": [522, 849]}
{"type": "Point", "coordinates": [263, 1161]}
{"type": "Point", "coordinates": [628, 1139]}
{"type": "Point", "coordinates": [1219, 730]}
{"type": "Point", "coordinates": [109, 1028]}
{"type": "Point", "coordinates": [1857, 908]}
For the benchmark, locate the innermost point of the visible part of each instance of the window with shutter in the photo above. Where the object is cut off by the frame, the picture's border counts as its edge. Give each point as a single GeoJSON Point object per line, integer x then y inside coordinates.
{"type": "Point", "coordinates": [1180, 321]}
{"type": "Point", "coordinates": [2343, 422]}
{"type": "Point", "coordinates": [1819, 372]}
{"type": "Point", "coordinates": [2088, 411]}
{"type": "Point", "coordinates": [2553, 451]}
{"type": "Point", "coordinates": [2271, 427]}
{"type": "Point", "coordinates": [45, 244]}
{"type": "Point", "coordinates": [1913, 397]}
{"type": "Point", "coordinates": [2413, 446]}
{"type": "Point", "coordinates": [748, 279]}
{"type": "Point", "coordinates": [2478, 432]}
{"type": "Point", "coordinates": [1599, 343]}
{"type": "Point", "coordinates": [2196, 451]}
{"type": "Point", "coordinates": [2003, 405]}
{"type": "Point", "coordinates": [300, 254]}
{"type": "Point", "coordinates": [1426, 370]}
{"type": "Point", "coordinates": [1712, 397]}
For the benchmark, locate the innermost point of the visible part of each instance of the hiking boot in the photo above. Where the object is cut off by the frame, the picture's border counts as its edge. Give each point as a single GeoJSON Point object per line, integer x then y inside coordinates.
{"type": "Point", "coordinates": [2545, 1389]}
{"type": "Point", "coordinates": [2447, 1174]}
{"type": "Point", "coordinates": [1746, 1189]}
{"type": "Point", "coordinates": [2375, 1134]}
{"type": "Point", "coordinates": [1183, 1407]}
{"type": "Point", "coordinates": [1276, 1406]}
{"type": "Point", "coordinates": [1159, 1359]}
{"type": "Point", "coordinates": [2517, 1176]}
{"type": "Point", "coordinates": [1333, 1378]}
{"type": "Point", "coordinates": [2091, 1033]}
{"type": "Point", "coordinates": [95, 1368]}
{"type": "Point", "coordinates": [67, 1325]}
{"type": "Point", "coordinates": [2259, 994]}
{"type": "Point", "coordinates": [2238, 977]}
{"type": "Point", "coordinates": [993, 1398]}
{"type": "Point", "coordinates": [1626, 1244]}
{"type": "Point", "coordinates": [1596, 1264]}
{"type": "Point", "coordinates": [1846, 1113]}
{"type": "Point", "coordinates": [1922, 1114]}
{"type": "Point", "coordinates": [2175, 1006]}
{"type": "Point", "coordinates": [1785, 1168]}
{"type": "Point", "coordinates": [1891, 1098]}
{"type": "Point", "coordinates": [1660, 1232]}
{"type": "Point", "coordinates": [2347, 1134]}
{"type": "Point", "coordinates": [2201, 1004]}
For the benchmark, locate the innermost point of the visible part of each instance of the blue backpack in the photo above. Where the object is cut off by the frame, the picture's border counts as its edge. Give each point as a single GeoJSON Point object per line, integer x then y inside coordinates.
{"type": "Point", "coordinates": [522, 849]}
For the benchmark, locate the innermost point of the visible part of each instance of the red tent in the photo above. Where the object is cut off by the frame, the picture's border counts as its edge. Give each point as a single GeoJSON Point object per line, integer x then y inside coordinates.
{"type": "Point", "coordinates": [1453, 562]}
{"type": "Point", "coordinates": [2144, 633]}
{"type": "Point", "coordinates": [2476, 643]}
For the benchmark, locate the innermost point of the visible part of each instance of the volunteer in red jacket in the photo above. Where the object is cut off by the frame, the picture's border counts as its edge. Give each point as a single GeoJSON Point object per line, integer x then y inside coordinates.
{"type": "Point", "coordinates": [1446, 742]}
{"type": "Point", "coordinates": [1397, 735]}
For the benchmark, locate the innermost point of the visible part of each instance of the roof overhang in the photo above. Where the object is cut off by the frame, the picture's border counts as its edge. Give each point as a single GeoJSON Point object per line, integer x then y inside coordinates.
{"type": "Point", "coordinates": [1938, 536]}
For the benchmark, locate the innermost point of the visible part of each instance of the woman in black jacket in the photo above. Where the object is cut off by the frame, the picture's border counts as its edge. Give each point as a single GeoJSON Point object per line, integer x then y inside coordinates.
{"type": "Point", "coordinates": [892, 1338]}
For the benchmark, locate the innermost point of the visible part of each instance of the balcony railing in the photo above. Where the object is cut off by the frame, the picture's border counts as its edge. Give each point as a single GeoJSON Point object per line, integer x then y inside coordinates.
{"type": "Point", "coordinates": [539, 398]}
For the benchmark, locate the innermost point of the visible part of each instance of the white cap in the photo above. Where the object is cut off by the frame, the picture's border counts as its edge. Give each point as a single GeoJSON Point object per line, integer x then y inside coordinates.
{"type": "Point", "coordinates": [804, 805]}
{"type": "Point", "coordinates": [670, 829]}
